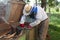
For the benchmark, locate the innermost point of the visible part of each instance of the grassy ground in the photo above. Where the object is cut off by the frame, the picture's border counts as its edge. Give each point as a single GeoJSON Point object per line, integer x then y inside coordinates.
{"type": "Point", "coordinates": [54, 27]}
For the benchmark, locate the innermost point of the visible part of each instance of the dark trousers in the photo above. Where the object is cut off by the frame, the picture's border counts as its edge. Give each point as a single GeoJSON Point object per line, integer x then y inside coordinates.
{"type": "Point", "coordinates": [41, 30]}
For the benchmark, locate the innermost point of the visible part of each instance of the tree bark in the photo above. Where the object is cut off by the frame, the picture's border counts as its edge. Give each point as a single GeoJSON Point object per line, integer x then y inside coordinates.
{"type": "Point", "coordinates": [43, 4]}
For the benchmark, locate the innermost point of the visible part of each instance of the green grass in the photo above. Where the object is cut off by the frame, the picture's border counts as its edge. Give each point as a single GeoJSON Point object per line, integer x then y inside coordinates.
{"type": "Point", "coordinates": [54, 27]}
{"type": "Point", "coordinates": [22, 37]}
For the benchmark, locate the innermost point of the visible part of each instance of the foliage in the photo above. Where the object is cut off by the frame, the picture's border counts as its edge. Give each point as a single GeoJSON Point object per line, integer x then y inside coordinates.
{"type": "Point", "coordinates": [39, 0]}
{"type": "Point", "coordinates": [54, 27]}
{"type": "Point", "coordinates": [51, 3]}
{"type": "Point", "coordinates": [57, 2]}
{"type": "Point", "coordinates": [57, 9]}
{"type": "Point", "coordinates": [28, 1]}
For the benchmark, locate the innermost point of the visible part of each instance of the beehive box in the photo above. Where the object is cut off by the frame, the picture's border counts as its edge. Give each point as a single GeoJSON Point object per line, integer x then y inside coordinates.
{"type": "Point", "coordinates": [16, 10]}
{"type": "Point", "coordinates": [2, 9]}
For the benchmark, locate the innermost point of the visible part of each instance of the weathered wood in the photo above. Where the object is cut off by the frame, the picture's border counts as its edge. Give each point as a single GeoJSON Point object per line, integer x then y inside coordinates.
{"type": "Point", "coordinates": [32, 34]}
{"type": "Point", "coordinates": [4, 29]}
{"type": "Point", "coordinates": [2, 10]}
{"type": "Point", "coordinates": [15, 14]}
{"type": "Point", "coordinates": [1, 21]}
{"type": "Point", "coordinates": [16, 11]}
{"type": "Point", "coordinates": [4, 26]}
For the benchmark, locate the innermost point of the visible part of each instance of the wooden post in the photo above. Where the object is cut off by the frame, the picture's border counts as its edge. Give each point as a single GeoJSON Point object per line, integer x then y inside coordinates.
{"type": "Point", "coordinates": [32, 34]}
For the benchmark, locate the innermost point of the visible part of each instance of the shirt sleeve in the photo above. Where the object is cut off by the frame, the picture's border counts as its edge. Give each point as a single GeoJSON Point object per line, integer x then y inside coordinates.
{"type": "Point", "coordinates": [22, 19]}
{"type": "Point", "coordinates": [38, 18]}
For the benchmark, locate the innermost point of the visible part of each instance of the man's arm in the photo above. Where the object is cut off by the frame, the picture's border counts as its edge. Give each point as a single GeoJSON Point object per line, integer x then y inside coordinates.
{"type": "Point", "coordinates": [22, 19]}
{"type": "Point", "coordinates": [38, 18]}
{"type": "Point", "coordinates": [35, 23]}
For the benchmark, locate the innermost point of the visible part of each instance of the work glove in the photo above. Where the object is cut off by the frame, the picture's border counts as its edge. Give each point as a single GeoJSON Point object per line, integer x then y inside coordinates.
{"type": "Point", "coordinates": [29, 27]}
{"type": "Point", "coordinates": [22, 25]}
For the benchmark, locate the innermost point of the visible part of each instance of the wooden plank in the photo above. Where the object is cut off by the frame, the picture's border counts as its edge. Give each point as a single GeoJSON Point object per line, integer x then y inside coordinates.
{"type": "Point", "coordinates": [3, 32]}
{"type": "Point", "coordinates": [1, 21]}
{"type": "Point", "coordinates": [4, 26]}
{"type": "Point", "coordinates": [16, 11]}
{"type": "Point", "coordinates": [4, 29]}
{"type": "Point", "coordinates": [31, 35]}
{"type": "Point", "coordinates": [2, 10]}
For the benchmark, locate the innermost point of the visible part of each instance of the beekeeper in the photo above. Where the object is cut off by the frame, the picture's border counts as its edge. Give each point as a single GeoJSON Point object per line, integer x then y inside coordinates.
{"type": "Point", "coordinates": [34, 15]}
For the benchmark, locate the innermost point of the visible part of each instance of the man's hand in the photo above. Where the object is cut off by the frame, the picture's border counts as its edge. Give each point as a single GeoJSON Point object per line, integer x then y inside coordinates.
{"type": "Point", "coordinates": [29, 27]}
{"type": "Point", "coordinates": [22, 25]}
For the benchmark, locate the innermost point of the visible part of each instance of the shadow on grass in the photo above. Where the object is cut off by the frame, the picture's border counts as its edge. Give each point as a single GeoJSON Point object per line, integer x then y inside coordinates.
{"type": "Point", "coordinates": [54, 27]}
{"type": "Point", "coordinates": [54, 32]}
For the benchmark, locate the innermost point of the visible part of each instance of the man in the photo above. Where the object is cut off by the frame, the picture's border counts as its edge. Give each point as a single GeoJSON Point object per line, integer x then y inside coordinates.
{"type": "Point", "coordinates": [34, 15]}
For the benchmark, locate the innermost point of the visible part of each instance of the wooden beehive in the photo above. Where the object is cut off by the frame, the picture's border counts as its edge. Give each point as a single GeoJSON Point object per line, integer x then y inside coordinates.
{"type": "Point", "coordinates": [4, 28]}
{"type": "Point", "coordinates": [15, 14]}
{"type": "Point", "coordinates": [16, 10]}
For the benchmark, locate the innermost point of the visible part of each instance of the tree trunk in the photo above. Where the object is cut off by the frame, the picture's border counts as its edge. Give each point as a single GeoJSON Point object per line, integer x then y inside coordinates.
{"type": "Point", "coordinates": [43, 4]}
